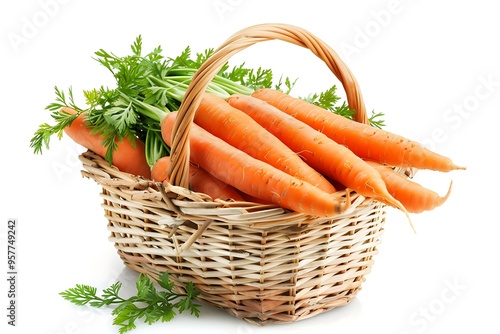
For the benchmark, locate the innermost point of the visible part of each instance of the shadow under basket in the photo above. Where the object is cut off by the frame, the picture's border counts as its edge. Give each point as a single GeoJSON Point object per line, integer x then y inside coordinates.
{"type": "Point", "coordinates": [260, 263]}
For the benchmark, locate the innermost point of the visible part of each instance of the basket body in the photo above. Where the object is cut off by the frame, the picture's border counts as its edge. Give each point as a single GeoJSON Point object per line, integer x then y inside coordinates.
{"type": "Point", "coordinates": [260, 264]}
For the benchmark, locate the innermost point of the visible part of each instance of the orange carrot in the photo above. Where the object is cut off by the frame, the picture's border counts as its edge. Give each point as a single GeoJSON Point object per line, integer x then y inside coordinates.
{"type": "Point", "coordinates": [127, 157]}
{"type": "Point", "coordinates": [236, 128]}
{"type": "Point", "coordinates": [412, 195]}
{"type": "Point", "coordinates": [159, 169]}
{"type": "Point", "coordinates": [252, 176]}
{"type": "Point", "coordinates": [199, 180]}
{"type": "Point", "coordinates": [366, 141]}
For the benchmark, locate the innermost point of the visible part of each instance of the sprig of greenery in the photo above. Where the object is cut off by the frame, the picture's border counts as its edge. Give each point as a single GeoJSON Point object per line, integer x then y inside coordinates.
{"type": "Point", "coordinates": [149, 303]}
{"type": "Point", "coordinates": [63, 119]}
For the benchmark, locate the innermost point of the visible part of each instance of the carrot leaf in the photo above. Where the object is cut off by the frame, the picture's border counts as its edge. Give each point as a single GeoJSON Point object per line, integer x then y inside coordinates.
{"type": "Point", "coordinates": [62, 119]}
{"type": "Point", "coordinates": [149, 303]}
{"type": "Point", "coordinates": [287, 83]}
{"type": "Point", "coordinates": [61, 100]}
{"type": "Point", "coordinates": [376, 119]}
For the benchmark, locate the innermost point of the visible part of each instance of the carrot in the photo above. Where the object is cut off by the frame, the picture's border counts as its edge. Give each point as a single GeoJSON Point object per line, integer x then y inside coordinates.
{"type": "Point", "coordinates": [199, 180]}
{"type": "Point", "coordinates": [252, 176]}
{"type": "Point", "coordinates": [127, 158]}
{"type": "Point", "coordinates": [159, 169]}
{"type": "Point", "coordinates": [222, 120]}
{"type": "Point", "coordinates": [366, 141]}
{"type": "Point", "coordinates": [319, 151]}
{"type": "Point", "coordinates": [412, 195]}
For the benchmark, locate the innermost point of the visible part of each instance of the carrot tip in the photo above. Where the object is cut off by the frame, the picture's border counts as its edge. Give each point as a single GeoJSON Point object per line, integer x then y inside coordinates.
{"type": "Point", "coordinates": [448, 193]}
{"type": "Point", "coordinates": [452, 166]}
{"type": "Point", "coordinates": [410, 221]}
{"type": "Point", "coordinates": [401, 207]}
{"type": "Point", "coordinates": [409, 218]}
{"type": "Point", "coordinates": [391, 200]}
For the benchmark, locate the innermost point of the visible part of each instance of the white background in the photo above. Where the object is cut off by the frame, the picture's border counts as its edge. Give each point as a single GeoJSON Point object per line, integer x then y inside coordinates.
{"type": "Point", "coordinates": [431, 67]}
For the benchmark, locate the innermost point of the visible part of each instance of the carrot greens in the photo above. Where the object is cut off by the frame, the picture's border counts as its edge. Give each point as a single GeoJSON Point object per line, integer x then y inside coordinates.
{"type": "Point", "coordinates": [150, 85]}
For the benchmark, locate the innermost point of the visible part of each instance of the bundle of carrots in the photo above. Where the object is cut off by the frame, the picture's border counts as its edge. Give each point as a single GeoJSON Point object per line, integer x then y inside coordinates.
{"type": "Point", "coordinates": [261, 145]}
{"type": "Point", "coordinates": [303, 145]}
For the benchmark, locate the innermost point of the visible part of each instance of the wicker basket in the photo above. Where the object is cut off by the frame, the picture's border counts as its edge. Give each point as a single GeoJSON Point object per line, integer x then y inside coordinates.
{"type": "Point", "coordinates": [260, 263]}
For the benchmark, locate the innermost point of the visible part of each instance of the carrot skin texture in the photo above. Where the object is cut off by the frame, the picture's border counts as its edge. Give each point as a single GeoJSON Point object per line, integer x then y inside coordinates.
{"type": "Point", "coordinates": [127, 158]}
{"type": "Point", "coordinates": [222, 120]}
{"type": "Point", "coordinates": [202, 181]}
{"type": "Point", "coordinates": [366, 141]}
{"type": "Point", "coordinates": [253, 176]}
{"type": "Point", "coordinates": [415, 197]}
{"type": "Point", "coordinates": [248, 198]}
{"type": "Point", "coordinates": [199, 181]}
{"type": "Point", "coordinates": [319, 151]}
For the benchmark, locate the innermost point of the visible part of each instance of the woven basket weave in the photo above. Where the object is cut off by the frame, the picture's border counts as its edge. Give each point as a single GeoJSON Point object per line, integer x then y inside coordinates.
{"type": "Point", "coordinates": [260, 263]}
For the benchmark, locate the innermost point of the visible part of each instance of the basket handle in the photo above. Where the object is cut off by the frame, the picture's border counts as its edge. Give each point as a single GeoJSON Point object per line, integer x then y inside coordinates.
{"type": "Point", "coordinates": [179, 167]}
